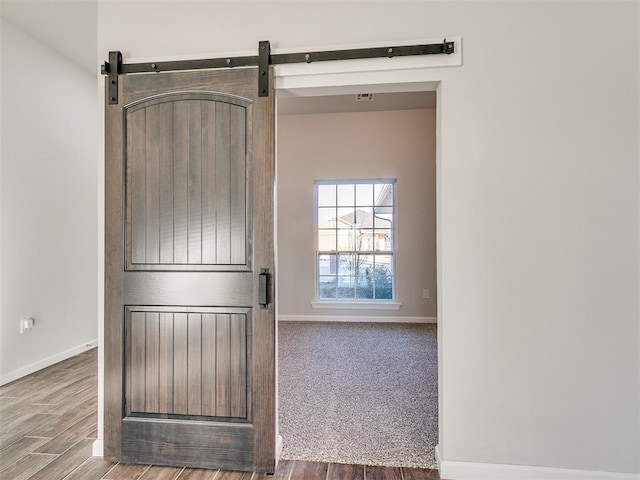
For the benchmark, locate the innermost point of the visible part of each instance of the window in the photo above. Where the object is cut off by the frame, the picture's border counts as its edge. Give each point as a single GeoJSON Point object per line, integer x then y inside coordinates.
{"type": "Point", "coordinates": [355, 240]}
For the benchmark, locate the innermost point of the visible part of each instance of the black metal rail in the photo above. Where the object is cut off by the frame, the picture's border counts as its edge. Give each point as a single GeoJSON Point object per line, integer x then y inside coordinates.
{"type": "Point", "coordinates": [115, 67]}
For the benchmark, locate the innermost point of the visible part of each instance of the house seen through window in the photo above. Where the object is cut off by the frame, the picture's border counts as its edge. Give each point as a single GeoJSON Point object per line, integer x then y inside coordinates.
{"type": "Point", "coordinates": [355, 239]}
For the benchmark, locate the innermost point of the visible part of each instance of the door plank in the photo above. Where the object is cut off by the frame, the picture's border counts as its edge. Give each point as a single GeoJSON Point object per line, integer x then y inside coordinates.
{"type": "Point", "coordinates": [165, 367]}
{"type": "Point", "coordinates": [223, 182]}
{"type": "Point", "coordinates": [238, 366]}
{"type": "Point", "coordinates": [180, 364]}
{"type": "Point", "coordinates": [223, 370]}
{"type": "Point", "coordinates": [181, 182]}
{"type": "Point", "coordinates": [209, 364]}
{"type": "Point", "coordinates": [209, 206]}
{"type": "Point", "coordinates": [136, 128]}
{"type": "Point", "coordinates": [137, 366]}
{"type": "Point", "coordinates": [166, 151]}
{"type": "Point", "coordinates": [195, 182]}
{"type": "Point", "coordinates": [194, 348]}
{"type": "Point", "coordinates": [151, 186]}
{"type": "Point", "coordinates": [152, 361]}
{"type": "Point", "coordinates": [237, 154]}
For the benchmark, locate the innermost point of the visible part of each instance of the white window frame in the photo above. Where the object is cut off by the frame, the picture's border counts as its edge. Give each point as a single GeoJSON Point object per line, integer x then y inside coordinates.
{"type": "Point", "coordinates": [355, 303]}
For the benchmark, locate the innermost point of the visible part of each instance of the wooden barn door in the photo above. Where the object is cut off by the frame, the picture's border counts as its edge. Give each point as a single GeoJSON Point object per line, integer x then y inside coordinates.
{"type": "Point", "coordinates": [189, 343]}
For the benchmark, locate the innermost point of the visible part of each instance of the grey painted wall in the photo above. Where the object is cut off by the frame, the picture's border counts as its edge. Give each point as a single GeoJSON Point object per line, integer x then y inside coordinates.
{"type": "Point", "coordinates": [48, 202]}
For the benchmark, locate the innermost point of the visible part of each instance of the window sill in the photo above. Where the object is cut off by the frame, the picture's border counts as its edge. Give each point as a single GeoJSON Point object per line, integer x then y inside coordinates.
{"type": "Point", "coordinates": [386, 305]}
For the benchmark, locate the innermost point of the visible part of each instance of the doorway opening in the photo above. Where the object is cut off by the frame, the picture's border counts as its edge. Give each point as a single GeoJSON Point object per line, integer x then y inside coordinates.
{"type": "Point", "coordinates": [357, 383]}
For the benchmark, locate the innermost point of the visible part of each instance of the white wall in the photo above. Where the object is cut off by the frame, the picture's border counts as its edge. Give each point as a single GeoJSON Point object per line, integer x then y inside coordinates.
{"type": "Point", "coordinates": [538, 207]}
{"type": "Point", "coordinates": [47, 204]}
{"type": "Point", "coordinates": [391, 144]}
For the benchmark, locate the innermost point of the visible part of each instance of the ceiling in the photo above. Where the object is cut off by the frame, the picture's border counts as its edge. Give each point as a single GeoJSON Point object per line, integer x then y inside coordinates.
{"type": "Point", "coordinates": [348, 103]}
{"type": "Point", "coordinates": [67, 26]}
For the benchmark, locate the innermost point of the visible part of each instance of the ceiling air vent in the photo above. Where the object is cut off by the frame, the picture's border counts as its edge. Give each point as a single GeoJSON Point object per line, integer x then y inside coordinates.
{"type": "Point", "coordinates": [365, 97]}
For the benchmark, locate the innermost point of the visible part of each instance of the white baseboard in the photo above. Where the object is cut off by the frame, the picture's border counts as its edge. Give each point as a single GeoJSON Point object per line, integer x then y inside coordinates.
{"type": "Point", "coordinates": [98, 448]}
{"type": "Point", "coordinates": [355, 318]}
{"type": "Point", "coordinates": [279, 448]}
{"type": "Point", "coordinates": [438, 454]}
{"type": "Point", "coordinates": [488, 471]}
{"type": "Point", "coordinates": [46, 362]}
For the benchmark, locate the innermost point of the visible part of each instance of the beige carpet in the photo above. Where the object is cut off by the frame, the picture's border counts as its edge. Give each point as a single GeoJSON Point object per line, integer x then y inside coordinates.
{"type": "Point", "coordinates": [359, 393]}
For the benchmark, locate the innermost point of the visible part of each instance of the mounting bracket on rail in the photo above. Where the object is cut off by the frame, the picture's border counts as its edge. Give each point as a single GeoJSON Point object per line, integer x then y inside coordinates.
{"type": "Point", "coordinates": [115, 67]}
{"type": "Point", "coordinates": [112, 68]}
{"type": "Point", "coordinates": [264, 58]}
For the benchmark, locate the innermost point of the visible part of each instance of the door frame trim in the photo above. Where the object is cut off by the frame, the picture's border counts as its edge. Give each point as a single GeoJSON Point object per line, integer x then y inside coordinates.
{"type": "Point", "coordinates": [373, 77]}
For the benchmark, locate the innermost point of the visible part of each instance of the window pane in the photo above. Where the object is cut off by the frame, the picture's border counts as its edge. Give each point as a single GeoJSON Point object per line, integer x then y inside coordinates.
{"type": "Point", "coordinates": [365, 240]}
{"type": "Point", "coordinates": [327, 287]}
{"type": "Point", "coordinates": [365, 277]}
{"type": "Point", "coordinates": [364, 194]}
{"type": "Point", "coordinates": [345, 239]}
{"type": "Point", "coordinates": [346, 195]}
{"type": "Point", "coordinates": [383, 277]}
{"type": "Point", "coordinates": [347, 265]}
{"type": "Point", "coordinates": [346, 287]}
{"type": "Point", "coordinates": [383, 260]}
{"type": "Point", "coordinates": [364, 290]}
{"type": "Point", "coordinates": [383, 240]}
{"type": "Point", "coordinates": [326, 217]}
{"type": "Point", "coordinates": [327, 240]}
{"type": "Point", "coordinates": [326, 195]}
{"type": "Point", "coordinates": [364, 267]}
{"type": "Point", "coordinates": [383, 217]}
{"type": "Point", "coordinates": [327, 265]}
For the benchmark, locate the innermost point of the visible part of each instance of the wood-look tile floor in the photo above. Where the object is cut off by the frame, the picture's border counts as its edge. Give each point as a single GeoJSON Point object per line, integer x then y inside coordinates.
{"type": "Point", "coordinates": [48, 426]}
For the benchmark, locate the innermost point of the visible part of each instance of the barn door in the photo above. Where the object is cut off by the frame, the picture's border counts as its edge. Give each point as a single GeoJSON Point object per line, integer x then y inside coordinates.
{"type": "Point", "coordinates": [189, 330]}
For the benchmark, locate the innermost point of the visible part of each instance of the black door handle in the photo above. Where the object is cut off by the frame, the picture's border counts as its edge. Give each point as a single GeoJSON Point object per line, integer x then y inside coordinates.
{"type": "Point", "coordinates": [263, 288]}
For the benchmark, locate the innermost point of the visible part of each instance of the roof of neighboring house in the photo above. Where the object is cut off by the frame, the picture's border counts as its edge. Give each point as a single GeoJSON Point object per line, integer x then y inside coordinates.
{"type": "Point", "coordinates": [364, 219]}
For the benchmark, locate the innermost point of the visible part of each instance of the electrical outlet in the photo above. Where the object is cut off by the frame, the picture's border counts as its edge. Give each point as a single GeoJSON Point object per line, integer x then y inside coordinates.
{"type": "Point", "coordinates": [26, 324]}
{"type": "Point", "coordinates": [425, 293]}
